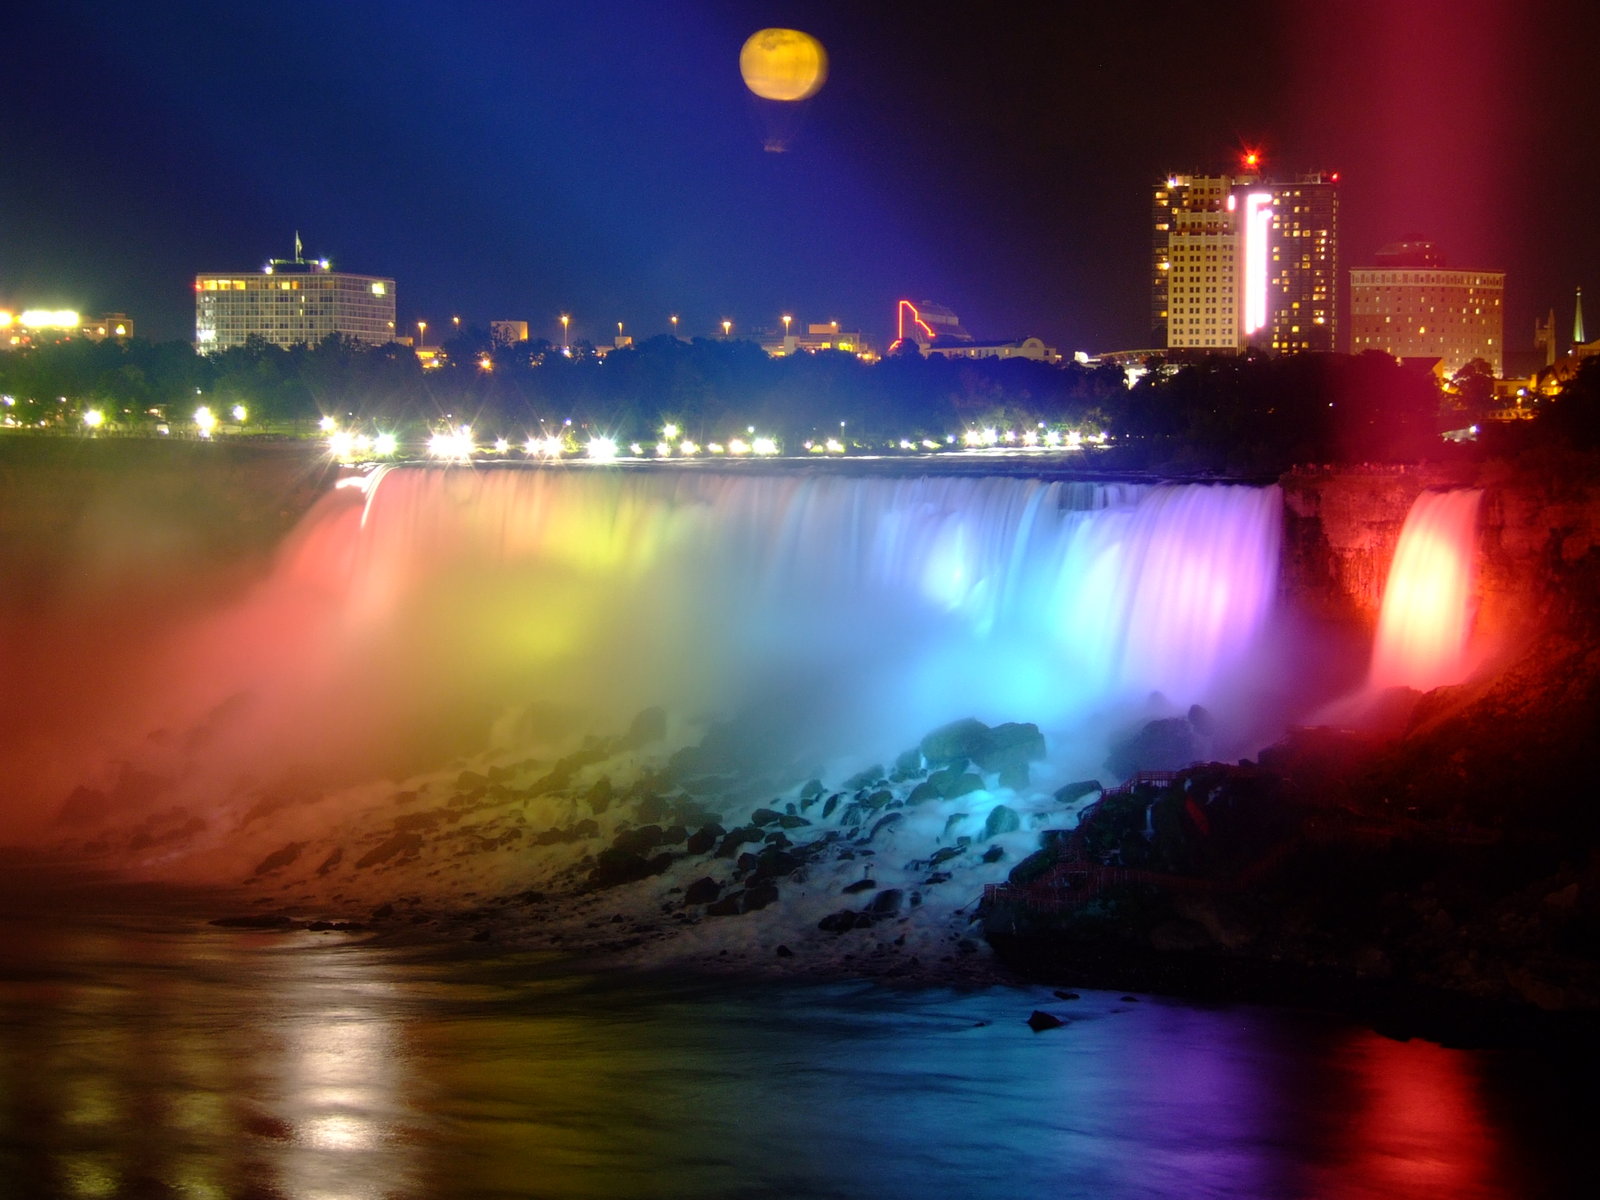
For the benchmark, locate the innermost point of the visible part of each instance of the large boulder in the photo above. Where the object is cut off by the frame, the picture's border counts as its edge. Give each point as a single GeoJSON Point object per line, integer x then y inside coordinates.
{"type": "Point", "coordinates": [957, 743]}
{"type": "Point", "coordinates": [1167, 744]}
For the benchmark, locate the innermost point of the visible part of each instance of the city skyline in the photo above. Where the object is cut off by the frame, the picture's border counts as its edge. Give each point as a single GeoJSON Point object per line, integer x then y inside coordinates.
{"type": "Point", "coordinates": [521, 161]}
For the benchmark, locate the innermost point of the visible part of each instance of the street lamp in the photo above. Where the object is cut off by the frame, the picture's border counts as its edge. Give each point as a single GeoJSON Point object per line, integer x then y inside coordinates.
{"type": "Point", "coordinates": [565, 320]}
{"type": "Point", "coordinates": [727, 327]}
{"type": "Point", "coordinates": [786, 319]}
{"type": "Point", "coordinates": [674, 319]}
{"type": "Point", "coordinates": [422, 334]}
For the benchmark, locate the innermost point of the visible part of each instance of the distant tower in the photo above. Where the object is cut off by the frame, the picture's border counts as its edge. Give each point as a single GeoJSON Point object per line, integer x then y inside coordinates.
{"type": "Point", "coordinates": [1577, 320]}
{"type": "Point", "coordinates": [1544, 337]}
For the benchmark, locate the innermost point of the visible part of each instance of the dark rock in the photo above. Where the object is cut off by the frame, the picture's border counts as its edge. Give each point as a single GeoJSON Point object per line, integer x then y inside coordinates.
{"type": "Point", "coordinates": [759, 895]}
{"type": "Point", "coordinates": [1067, 996]}
{"type": "Point", "coordinates": [886, 903]}
{"type": "Point", "coordinates": [469, 781]}
{"type": "Point", "coordinates": [637, 841]}
{"type": "Point", "coordinates": [1201, 721]}
{"type": "Point", "coordinates": [1168, 744]}
{"type": "Point", "coordinates": [852, 815]}
{"type": "Point", "coordinates": [1014, 776]}
{"type": "Point", "coordinates": [956, 743]}
{"type": "Point", "coordinates": [614, 867]}
{"type": "Point", "coordinates": [886, 822]}
{"type": "Point", "coordinates": [994, 854]}
{"type": "Point", "coordinates": [674, 835]}
{"type": "Point", "coordinates": [585, 828]}
{"type": "Point", "coordinates": [943, 854]}
{"type": "Point", "coordinates": [788, 821]}
{"type": "Point", "coordinates": [332, 861]}
{"type": "Point", "coordinates": [599, 796]}
{"type": "Point", "coordinates": [736, 838]}
{"type": "Point", "coordinates": [704, 840]}
{"type": "Point", "coordinates": [1040, 1021]}
{"type": "Point", "coordinates": [831, 803]}
{"type": "Point", "coordinates": [860, 885]}
{"type": "Point", "coordinates": [279, 859]}
{"type": "Point", "coordinates": [382, 911]}
{"type": "Point", "coordinates": [923, 792]}
{"type": "Point", "coordinates": [779, 839]}
{"type": "Point", "coordinates": [729, 906]}
{"type": "Point", "coordinates": [1130, 999]}
{"type": "Point", "coordinates": [1002, 819]}
{"type": "Point", "coordinates": [654, 808]}
{"type": "Point", "coordinates": [863, 779]}
{"type": "Point", "coordinates": [784, 952]}
{"type": "Point", "coordinates": [843, 921]}
{"type": "Point", "coordinates": [649, 726]}
{"type": "Point", "coordinates": [938, 877]}
{"type": "Point", "coordinates": [702, 891]}
{"type": "Point", "coordinates": [812, 790]}
{"type": "Point", "coordinates": [1067, 793]}
{"type": "Point", "coordinates": [1012, 745]}
{"type": "Point", "coordinates": [253, 923]}
{"type": "Point", "coordinates": [400, 845]}
{"type": "Point", "coordinates": [765, 816]}
{"type": "Point", "coordinates": [955, 782]}
{"type": "Point", "coordinates": [909, 763]}
{"type": "Point", "coordinates": [774, 862]}
{"type": "Point", "coordinates": [877, 799]}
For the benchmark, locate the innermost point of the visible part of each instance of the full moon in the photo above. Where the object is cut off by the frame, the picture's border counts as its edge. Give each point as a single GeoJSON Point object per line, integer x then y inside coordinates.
{"type": "Point", "coordinates": [783, 64]}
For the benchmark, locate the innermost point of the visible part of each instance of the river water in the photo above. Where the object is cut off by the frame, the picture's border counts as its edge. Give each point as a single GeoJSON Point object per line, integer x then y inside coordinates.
{"type": "Point", "coordinates": [147, 1053]}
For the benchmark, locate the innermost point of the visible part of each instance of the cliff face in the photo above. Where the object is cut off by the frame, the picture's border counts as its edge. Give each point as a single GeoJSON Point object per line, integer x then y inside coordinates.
{"type": "Point", "coordinates": [1538, 541]}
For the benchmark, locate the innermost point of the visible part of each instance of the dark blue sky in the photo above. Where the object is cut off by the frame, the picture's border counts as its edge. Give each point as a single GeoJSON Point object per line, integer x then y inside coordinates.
{"type": "Point", "coordinates": [506, 159]}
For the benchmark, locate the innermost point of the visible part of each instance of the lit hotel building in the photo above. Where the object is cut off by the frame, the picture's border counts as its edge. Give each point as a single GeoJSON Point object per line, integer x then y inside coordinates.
{"type": "Point", "coordinates": [1239, 261]}
{"type": "Point", "coordinates": [292, 302]}
{"type": "Point", "coordinates": [1412, 306]}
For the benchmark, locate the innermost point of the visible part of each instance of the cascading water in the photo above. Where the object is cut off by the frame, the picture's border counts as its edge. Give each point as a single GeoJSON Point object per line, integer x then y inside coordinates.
{"type": "Point", "coordinates": [1426, 619]}
{"type": "Point", "coordinates": [451, 612]}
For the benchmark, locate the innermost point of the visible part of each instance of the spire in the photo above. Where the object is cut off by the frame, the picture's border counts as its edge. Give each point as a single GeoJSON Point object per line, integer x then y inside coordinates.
{"type": "Point", "coordinates": [297, 247]}
{"type": "Point", "coordinates": [1577, 320]}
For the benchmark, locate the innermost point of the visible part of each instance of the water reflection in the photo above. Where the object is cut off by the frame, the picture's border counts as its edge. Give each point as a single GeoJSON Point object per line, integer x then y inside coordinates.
{"type": "Point", "coordinates": [148, 1055]}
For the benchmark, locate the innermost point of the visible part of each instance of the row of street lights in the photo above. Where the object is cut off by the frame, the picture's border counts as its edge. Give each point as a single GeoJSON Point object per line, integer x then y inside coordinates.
{"type": "Point", "coordinates": [566, 329]}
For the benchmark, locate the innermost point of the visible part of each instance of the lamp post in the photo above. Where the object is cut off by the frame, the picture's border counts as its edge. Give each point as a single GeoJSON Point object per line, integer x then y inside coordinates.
{"type": "Point", "coordinates": [786, 319]}
{"type": "Point", "coordinates": [565, 320]}
{"type": "Point", "coordinates": [674, 319]}
{"type": "Point", "coordinates": [727, 328]}
{"type": "Point", "coordinates": [422, 335]}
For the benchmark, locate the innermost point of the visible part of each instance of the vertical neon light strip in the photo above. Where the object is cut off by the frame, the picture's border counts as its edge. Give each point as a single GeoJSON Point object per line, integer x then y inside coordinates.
{"type": "Point", "coordinates": [1257, 230]}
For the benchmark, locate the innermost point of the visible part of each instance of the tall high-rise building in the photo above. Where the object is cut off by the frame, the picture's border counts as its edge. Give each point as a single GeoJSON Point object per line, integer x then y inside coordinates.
{"type": "Point", "coordinates": [290, 302]}
{"type": "Point", "coordinates": [1238, 260]}
{"type": "Point", "coordinates": [1412, 305]}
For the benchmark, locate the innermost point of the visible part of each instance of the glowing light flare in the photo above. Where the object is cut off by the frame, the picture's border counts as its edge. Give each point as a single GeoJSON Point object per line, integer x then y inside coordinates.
{"type": "Point", "coordinates": [663, 449]}
{"type": "Point", "coordinates": [686, 447]}
{"type": "Point", "coordinates": [94, 418]}
{"type": "Point", "coordinates": [385, 445]}
{"type": "Point", "coordinates": [764, 446]}
{"type": "Point", "coordinates": [327, 424]}
{"type": "Point", "coordinates": [205, 420]}
{"type": "Point", "coordinates": [601, 449]}
{"type": "Point", "coordinates": [240, 413]}
{"type": "Point", "coordinates": [738, 446]}
{"type": "Point", "coordinates": [1257, 233]}
{"type": "Point", "coordinates": [452, 445]}
{"type": "Point", "coordinates": [669, 431]}
{"type": "Point", "coordinates": [48, 318]}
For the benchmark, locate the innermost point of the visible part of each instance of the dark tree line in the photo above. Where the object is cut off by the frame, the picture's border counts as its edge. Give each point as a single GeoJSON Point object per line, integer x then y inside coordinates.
{"type": "Point", "coordinates": [1240, 414]}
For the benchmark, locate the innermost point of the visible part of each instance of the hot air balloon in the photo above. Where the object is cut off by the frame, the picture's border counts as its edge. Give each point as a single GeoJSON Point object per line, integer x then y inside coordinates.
{"type": "Point", "coordinates": [783, 68]}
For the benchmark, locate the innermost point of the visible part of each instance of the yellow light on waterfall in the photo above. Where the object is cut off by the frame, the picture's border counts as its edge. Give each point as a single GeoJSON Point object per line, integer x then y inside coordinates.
{"type": "Point", "coordinates": [783, 64]}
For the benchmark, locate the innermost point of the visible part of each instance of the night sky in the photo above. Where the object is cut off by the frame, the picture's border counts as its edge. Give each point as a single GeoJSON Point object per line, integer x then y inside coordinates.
{"type": "Point", "coordinates": [518, 160]}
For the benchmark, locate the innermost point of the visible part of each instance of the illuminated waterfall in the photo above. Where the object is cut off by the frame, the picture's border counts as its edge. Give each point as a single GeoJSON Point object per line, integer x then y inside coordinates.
{"type": "Point", "coordinates": [451, 612]}
{"type": "Point", "coordinates": [1427, 602]}
{"type": "Point", "coordinates": [883, 605]}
